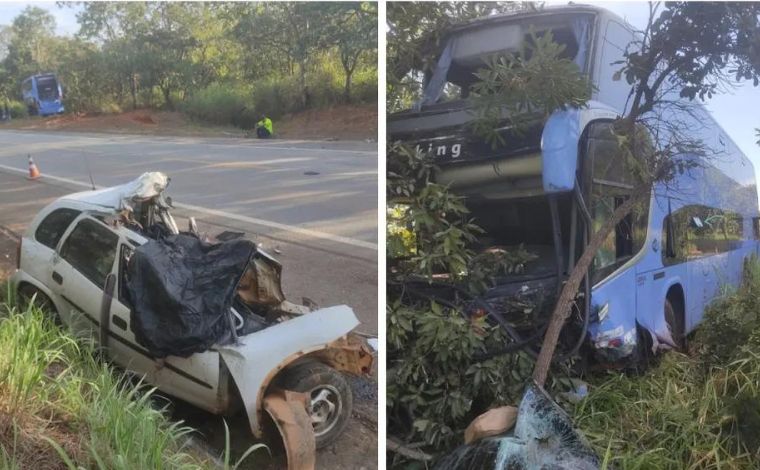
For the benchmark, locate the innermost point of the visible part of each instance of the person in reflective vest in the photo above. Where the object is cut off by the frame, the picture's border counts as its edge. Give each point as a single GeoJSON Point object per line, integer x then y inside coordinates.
{"type": "Point", "coordinates": [264, 129]}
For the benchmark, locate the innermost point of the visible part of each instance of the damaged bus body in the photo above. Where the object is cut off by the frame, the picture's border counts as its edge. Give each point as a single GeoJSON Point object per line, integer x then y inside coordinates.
{"type": "Point", "coordinates": [205, 322]}
{"type": "Point", "coordinates": [548, 188]}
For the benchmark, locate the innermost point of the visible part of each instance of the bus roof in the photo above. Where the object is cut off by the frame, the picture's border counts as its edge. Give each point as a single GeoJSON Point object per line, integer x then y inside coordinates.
{"type": "Point", "coordinates": [546, 11]}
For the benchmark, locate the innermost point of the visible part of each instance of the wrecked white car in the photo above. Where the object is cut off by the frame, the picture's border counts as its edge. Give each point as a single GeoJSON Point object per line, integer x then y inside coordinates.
{"type": "Point", "coordinates": [204, 322]}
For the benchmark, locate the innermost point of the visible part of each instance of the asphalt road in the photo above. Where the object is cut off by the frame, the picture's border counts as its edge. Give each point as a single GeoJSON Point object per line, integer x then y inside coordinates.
{"type": "Point", "coordinates": [314, 204]}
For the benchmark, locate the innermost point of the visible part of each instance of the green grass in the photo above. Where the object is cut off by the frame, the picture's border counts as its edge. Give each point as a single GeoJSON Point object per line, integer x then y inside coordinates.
{"type": "Point", "coordinates": [61, 405]}
{"type": "Point", "coordinates": [699, 410]}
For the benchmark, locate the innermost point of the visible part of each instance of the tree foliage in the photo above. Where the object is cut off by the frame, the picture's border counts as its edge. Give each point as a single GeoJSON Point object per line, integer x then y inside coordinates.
{"type": "Point", "coordinates": [284, 56]}
{"type": "Point", "coordinates": [444, 364]}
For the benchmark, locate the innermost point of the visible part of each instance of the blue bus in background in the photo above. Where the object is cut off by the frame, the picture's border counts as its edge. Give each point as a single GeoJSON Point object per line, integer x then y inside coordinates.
{"type": "Point", "coordinates": [42, 94]}
{"type": "Point", "coordinates": [549, 188]}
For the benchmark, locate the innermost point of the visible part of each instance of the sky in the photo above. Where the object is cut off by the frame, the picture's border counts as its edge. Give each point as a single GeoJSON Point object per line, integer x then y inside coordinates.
{"type": "Point", "coordinates": [65, 17]}
{"type": "Point", "coordinates": [736, 112]}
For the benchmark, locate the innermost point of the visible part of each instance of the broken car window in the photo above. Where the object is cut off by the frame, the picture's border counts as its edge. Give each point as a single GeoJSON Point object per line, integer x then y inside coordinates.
{"type": "Point", "coordinates": [91, 249]}
{"type": "Point", "coordinates": [53, 227]}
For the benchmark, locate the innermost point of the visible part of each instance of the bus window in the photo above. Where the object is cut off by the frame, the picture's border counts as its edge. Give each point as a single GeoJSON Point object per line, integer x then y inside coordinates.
{"type": "Point", "coordinates": [610, 185]}
{"type": "Point", "coordinates": [613, 92]}
{"type": "Point", "coordinates": [699, 231]}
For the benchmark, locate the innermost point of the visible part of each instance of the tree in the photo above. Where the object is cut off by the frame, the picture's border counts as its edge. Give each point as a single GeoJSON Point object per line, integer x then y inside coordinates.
{"type": "Point", "coordinates": [353, 30]}
{"type": "Point", "coordinates": [295, 30]}
{"type": "Point", "coordinates": [29, 47]}
{"type": "Point", "coordinates": [230, 58]}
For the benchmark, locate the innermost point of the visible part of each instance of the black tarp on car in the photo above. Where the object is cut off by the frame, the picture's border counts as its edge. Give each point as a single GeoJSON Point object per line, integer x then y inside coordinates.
{"type": "Point", "coordinates": [181, 290]}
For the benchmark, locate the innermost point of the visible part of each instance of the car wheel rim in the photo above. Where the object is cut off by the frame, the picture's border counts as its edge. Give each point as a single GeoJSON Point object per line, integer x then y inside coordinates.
{"type": "Point", "coordinates": [325, 408]}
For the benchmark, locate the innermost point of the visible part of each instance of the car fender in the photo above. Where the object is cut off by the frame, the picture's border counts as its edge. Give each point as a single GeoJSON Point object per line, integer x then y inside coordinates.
{"type": "Point", "coordinates": [260, 356]}
{"type": "Point", "coordinates": [21, 277]}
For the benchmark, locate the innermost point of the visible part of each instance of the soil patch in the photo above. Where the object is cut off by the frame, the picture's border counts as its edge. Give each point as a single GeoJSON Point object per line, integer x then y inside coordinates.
{"type": "Point", "coordinates": [350, 122]}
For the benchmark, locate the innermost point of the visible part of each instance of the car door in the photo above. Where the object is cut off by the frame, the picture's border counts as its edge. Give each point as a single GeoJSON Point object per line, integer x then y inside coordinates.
{"type": "Point", "coordinates": [85, 257]}
{"type": "Point", "coordinates": [195, 379]}
{"type": "Point", "coordinates": [38, 250]}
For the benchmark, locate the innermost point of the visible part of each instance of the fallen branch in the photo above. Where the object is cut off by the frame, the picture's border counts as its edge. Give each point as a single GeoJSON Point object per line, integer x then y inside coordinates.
{"type": "Point", "coordinates": [395, 446]}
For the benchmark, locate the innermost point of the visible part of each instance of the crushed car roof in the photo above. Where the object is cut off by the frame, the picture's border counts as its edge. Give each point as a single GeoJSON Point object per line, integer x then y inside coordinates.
{"type": "Point", "coordinates": [118, 198]}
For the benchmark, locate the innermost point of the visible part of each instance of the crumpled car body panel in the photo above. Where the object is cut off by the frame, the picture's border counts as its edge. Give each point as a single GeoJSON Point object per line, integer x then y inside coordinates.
{"type": "Point", "coordinates": [117, 198]}
{"type": "Point", "coordinates": [261, 355]}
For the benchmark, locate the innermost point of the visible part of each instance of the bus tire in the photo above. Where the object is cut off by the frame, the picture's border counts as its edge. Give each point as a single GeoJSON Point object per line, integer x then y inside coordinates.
{"type": "Point", "coordinates": [676, 325]}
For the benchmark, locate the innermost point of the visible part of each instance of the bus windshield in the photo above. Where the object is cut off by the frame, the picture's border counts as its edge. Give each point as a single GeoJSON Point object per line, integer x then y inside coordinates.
{"type": "Point", "coordinates": [47, 88]}
{"type": "Point", "coordinates": [465, 52]}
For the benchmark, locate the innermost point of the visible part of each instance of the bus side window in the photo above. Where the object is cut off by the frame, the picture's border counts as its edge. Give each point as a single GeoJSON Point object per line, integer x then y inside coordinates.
{"type": "Point", "coordinates": [675, 237]}
{"type": "Point", "coordinates": [695, 230]}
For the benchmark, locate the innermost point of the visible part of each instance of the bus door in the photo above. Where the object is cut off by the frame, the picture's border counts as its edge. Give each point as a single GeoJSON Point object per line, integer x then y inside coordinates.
{"type": "Point", "coordinates": [608, 185]}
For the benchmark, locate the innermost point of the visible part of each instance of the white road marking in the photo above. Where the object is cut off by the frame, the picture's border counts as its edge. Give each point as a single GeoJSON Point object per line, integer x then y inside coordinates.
{"type": "Point", "coordinates": [241, 218]}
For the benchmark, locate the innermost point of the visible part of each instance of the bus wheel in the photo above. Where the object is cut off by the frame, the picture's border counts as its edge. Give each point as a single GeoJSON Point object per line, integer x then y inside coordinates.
{"type": "Point", "coordinates": [675, 321]}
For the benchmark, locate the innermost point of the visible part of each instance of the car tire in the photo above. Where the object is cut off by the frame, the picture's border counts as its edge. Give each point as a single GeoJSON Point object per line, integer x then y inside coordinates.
{"type": "Point", "coordinates": [330, 397]}
{"type": "Point", "coordinates": [675, 321]}
{"type": "Point", "coordinates": [25, 294]}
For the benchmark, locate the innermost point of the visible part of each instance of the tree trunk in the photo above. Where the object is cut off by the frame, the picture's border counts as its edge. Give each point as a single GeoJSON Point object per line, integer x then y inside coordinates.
{"type": "Point", "coordinates": [167, 97]}
{"type": "Point", "coordinates": [133, 90]}
{"type": "Point", "coordinates": [305, 99]}
{"type": "Point", "coordinates": [347, 87]}
{"type": "Point", "coordinates": [564, 302]}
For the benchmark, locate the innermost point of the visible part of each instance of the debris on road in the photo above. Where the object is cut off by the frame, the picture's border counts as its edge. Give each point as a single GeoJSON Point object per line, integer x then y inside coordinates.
{"type": "Point", "coordinates": [543, 437]}
{"type": "Point", "coordinates": [493, 422]}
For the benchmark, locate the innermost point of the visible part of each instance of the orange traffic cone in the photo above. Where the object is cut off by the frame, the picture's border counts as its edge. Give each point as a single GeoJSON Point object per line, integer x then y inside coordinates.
{"type": "Point", "coordinates": [34, 172]}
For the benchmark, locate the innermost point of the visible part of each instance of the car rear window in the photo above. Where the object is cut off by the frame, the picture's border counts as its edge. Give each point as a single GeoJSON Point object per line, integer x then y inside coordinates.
{"type": "Point", "coordinates": [53, 226]}
{"type": "Point", "coordinates": [91, 249]}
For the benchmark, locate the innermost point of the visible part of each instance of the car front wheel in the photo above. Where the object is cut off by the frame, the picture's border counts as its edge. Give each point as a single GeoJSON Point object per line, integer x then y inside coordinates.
{"type": "Point", "coordinates": [330, 398]}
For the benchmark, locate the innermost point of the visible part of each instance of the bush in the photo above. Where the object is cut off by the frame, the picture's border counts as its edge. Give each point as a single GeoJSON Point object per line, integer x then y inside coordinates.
{"type": "Point", "coordinates": [364, 88]}
{"type": "Point", "coordinates": [276, 97]}
{"type": "Point", "coordinates": [217, 104]}
{"type": "Point", "coordinates": [17, 109]}
{"type": "Point", "coordinates": [730, 322]}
